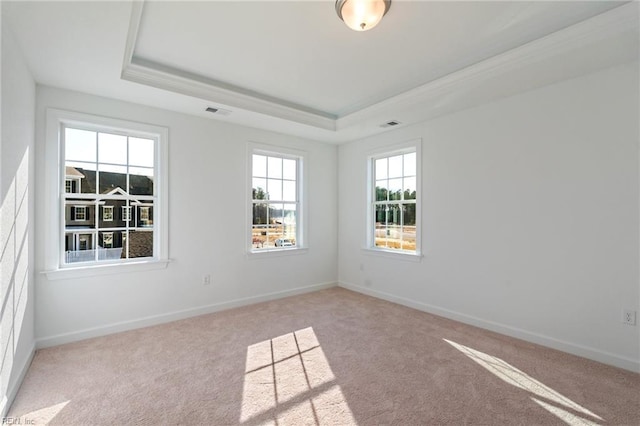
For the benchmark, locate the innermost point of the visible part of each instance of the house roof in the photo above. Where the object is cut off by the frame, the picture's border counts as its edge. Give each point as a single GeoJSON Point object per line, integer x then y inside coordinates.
{"type": "Point", "coordinates": [116, 190]}
{"type": "Point", "coordinates": [112, 183]}
{"type": "Point", "coordinates": [72, 172]}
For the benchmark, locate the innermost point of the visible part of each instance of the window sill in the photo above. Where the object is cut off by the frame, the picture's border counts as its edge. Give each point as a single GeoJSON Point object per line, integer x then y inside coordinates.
{"type": "Point", "coordinates": [389, 254]}
{"type": "Point", "coordinates": [106, 269]}
{"type": "Point", "coordinates": [276, 253]}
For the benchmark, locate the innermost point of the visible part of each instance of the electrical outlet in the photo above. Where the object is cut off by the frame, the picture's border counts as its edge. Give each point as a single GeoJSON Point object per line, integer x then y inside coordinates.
{"type": "Point", "coordinates": [206, 279]}
{"type": "Point", "coordinates": [629, 317]}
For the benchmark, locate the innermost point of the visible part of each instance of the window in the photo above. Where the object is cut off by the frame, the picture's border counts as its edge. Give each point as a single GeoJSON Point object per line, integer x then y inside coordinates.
{"type": "Point", "coordinates": [107, 213]}
{"type": "Point", "coordinates": [105, 164]}
{"type": "Point", "coordinates": [79, 213]}
{"type": "Point", "coordinates": [394, 201]}
{"type": "Point", "coordinates": [116, 167]}
{"type": "Point", "coordinates": [144, 214]}
{"type": "Point", "coordinates": [126, 213]}
{"type": "Point", "coordinates": [107, 239]}
{"type": "Point", "coordinates": [276, 208]}
{"type": "Point", "coordinates": [84, 242]}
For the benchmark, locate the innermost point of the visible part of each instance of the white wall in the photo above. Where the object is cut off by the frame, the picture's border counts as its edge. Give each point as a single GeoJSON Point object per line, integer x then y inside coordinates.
{"type": "Point", "coordinates": [530, 221]}
{"type": "Point", "coordinates": [530, 217]}
{"type": "Point", "coordinates": [207, 217]}
{"type": "Point", "coordinates": [16, 219]}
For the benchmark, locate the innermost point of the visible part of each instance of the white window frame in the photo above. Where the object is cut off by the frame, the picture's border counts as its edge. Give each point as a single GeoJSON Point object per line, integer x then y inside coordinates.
{"type": "Point", "coordinates": [301, 222]}
{"type": "Point", "coordinates": [110, 234]}
{"type": "Point", "coordinates": [84, 213]}
{"type": "Point", "coordinates": [68, 186]}
{"type": "Point", "coordinates": [144, 213]}
{"type": "Point", "coordinates": [105, 209]}
{"type": "Point", "coordinates": [414, 145]}
{"type": "Point", "coordinates": [126, 213]}
{"type": "Point", "coordinates": [54, 266]}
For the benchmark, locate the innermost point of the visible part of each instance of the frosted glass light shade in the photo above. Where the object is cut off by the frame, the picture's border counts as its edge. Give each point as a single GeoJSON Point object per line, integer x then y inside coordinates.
{"type": "Point", "coordinates": [362, 15]}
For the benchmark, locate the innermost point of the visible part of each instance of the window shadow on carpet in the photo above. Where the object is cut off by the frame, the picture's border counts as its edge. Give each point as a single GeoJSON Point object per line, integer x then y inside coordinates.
{"type": "Point", "coordinates": [547, 398]}
{"type": "Point", "coordinates": [288, 380]}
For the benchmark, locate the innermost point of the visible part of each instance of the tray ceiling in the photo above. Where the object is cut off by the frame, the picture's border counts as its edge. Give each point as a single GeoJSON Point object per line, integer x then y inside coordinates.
{"type": "Point", "coordinates": [294, 67]}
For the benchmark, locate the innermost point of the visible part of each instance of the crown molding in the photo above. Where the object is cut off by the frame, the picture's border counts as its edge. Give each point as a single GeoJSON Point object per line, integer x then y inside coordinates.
{"type": "Point", "coordinates": [222, 97]}
{"type": "Point", "coordinates": [132, 32]}
{"type": "Point", "coordinates": [151, 74]}
{"type": "Point", "coordinates": [616, 22]}
{"type": "Point", "coordinates": [609, 24]}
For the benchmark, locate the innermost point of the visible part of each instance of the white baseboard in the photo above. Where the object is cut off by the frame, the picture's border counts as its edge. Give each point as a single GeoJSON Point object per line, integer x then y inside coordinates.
{"type": "Point", "coordinates": [572, 348]}
{"type": "Point", "coordinates": [14, 384]}
{"type": "Point", "coordinates": [564, 346]}
{"type": "Point", "coordinates": [75, 336]}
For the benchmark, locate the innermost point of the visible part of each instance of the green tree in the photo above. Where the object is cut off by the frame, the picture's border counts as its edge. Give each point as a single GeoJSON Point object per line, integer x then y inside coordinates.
{"type": "Point", "coordinates": [259, 209]}
{"type": "Point", "coordinates": [381, 194]}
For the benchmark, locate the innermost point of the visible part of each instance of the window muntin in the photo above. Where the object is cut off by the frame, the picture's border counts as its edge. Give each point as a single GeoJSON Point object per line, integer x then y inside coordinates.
{"type": "Point", "coordinates": [393, 207]}
{"type": "Point", "coordinates": [109, 169]}
{"type": "Point", "coordinates": [275, 201]}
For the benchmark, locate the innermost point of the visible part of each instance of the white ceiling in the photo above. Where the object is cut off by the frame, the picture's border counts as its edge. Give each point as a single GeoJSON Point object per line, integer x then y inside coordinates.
{"type": "Point", "coordinates": [294, 67]}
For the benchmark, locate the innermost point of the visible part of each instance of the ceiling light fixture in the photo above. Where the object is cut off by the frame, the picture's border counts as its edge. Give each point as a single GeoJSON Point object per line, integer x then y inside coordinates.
{"type": "Point", "coordinates": [362, 15]}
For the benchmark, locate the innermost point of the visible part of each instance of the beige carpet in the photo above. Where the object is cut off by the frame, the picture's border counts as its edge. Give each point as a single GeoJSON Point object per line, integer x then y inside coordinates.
{"type": "Point", "coordinates": [330, 357]}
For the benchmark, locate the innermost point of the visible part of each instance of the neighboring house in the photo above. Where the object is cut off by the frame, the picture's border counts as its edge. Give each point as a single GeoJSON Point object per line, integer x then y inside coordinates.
{"type": "Point", "coordinates": [119, 217]}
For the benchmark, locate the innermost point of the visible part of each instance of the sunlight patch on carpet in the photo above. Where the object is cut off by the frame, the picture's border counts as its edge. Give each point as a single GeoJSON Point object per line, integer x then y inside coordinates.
{"type": "Point", "coordinates": [519, 379]}
{"type": "Point", "coordinates": [566, 416]}
{"type": "Point", "coordinates": [288, 380]}
{"type": "Point", "coordinates": [43, 416]}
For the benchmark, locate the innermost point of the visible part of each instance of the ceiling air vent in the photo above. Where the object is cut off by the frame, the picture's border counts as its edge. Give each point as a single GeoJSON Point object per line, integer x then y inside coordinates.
{"type": "Point", "coordinates": [390, 123]}
{"type": "Point", "coordinates": [218, 111]}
